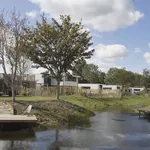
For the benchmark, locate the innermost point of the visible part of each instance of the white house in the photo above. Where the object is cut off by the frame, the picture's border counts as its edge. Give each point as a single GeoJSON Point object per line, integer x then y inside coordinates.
{"type": "Point", "coordinates": [98, 86]}
{"type": "Point", "coordinates": [111, 87]}
{"type": "Point", "coordinates": [134, 90]}
{"type": "Point", "coordinates": [90, 86]}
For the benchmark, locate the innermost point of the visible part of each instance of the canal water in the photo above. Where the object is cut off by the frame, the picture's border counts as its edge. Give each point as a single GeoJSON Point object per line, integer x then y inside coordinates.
{"type": "Point", "coordinates": [107, 131]}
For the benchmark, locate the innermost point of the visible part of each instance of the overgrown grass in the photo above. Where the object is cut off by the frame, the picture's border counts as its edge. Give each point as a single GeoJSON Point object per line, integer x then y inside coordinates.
{"type": "Point", "coordinates": [98, 103]}
{"type": "Point", "coordinates": [29, 98]}
{"type": "Point", "coordinates": [95, 103]}
{"type": "Point", "coordinates": [61, 110]}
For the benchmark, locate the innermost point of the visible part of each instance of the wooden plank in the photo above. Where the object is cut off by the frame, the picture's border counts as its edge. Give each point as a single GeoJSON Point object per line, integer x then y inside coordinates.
{"type": "Point", "coordinates": [17, 119]}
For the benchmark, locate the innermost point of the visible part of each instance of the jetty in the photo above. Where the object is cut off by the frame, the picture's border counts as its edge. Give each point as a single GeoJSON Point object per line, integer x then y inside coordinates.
{"type": "Point", "coordinates": [10, 121]}
{"type": "Point", "coordinates": [18, 119]}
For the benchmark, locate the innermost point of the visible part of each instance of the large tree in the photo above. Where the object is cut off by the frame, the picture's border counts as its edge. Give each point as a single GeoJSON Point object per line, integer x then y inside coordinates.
{"type": "Point", "coordinates": [138, 80]}
{"type": "Point", "coordinates": [57, 46]}
{"type": "Point", "coordinates": [92, 74]}
{"type": "Point", "coordinates": [146, 74]}
{"type": "Point", "coordinates": [119, 76]}
{"type": "Point", "coordinates": [11, 30]}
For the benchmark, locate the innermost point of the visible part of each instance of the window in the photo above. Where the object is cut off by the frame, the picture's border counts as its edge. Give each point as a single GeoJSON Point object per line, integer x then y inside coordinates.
{"type": "Point", "coordinates": [137, 90]}
{"type": "Point", "coordinates": [107, 88]}
{"type": "Point", "coordinates": [86, 87]}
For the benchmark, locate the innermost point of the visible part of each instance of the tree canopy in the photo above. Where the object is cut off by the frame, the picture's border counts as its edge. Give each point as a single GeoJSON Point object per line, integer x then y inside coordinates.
{"type": "Point", "coordinates": [57, 46]}
{"type": "Point", "coordinates": [92, 74]}
{"type": "Point", "coordinates": [11, 31]}
{"type": "Point", "coordinates": [146, 75]}
{"type": "Point", "coordinates": [119, 76]}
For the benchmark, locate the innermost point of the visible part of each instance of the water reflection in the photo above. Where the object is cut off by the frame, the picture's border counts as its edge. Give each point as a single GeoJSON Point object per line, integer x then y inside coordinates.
{"type": "Point", "coordinates": [105, 133]}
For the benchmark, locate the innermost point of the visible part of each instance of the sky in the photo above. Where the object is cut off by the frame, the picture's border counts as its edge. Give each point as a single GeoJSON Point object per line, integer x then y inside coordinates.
{"type": "Point", "coordinates": [120, 28]}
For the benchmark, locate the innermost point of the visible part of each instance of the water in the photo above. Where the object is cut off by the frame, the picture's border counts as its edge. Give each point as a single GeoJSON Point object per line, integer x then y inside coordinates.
{"type": "Point", "coordinates": [107, 131]}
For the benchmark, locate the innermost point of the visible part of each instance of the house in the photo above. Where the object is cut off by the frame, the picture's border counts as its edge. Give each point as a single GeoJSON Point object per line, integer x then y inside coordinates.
{"type": "Point", "coordinates": [134, 90]}
{"type": "Point", "coordinates": [46, 84]}
{"type": "Point", "coordinates": [100, 89]}
{"type": "Point", "coordinates": [42, 80]}
{"type": "Point", "coordinates": [90, 86]}
{"type": "Point", "coordinates": [111, 87]}
{"type": "Point", "coordinates": [93, 86]}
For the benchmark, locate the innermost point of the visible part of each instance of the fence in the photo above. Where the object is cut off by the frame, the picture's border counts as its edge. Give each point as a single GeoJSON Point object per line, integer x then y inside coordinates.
{"type": "Point", "coordinates": [51, 91]}
{"type": "Point", "coordinates": [48, 91]}
{"type": "Point", "coordinates": [101, 93]}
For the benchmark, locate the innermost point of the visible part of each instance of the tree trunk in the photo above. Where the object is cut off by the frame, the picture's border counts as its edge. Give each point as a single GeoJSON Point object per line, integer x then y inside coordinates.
{"type": "Point", "coordinates": [123, 90]}
{"type": "Point", "coordinates": [58, 89]}
{"type": "Point", "coordinates": [13, 96]}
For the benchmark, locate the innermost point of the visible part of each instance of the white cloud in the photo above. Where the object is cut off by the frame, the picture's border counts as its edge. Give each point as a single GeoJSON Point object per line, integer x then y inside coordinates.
{"type": "Point", "coordinates": [104, 66]}
{"type": "Point", "coordinates": [105, 55]}
{"type": "Point", "coordinates": [137, 50]}
{"type": "Point", "coordinates": [147, 57]}
{"type": "Point", "coordinates": [31, 14]}
{"type": "Point", "coordinates": [110, 52]}
{"type": "Point", "coordinates": [102, 15]}
{"type": "Point", "coordinates": [149, 44]}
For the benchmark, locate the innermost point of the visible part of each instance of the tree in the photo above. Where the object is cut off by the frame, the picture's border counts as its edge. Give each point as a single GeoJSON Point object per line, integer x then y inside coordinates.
{"type": "Point", "coordinates": [119, 76]}
{"type": "Point", "coordinates": [92, 74]}
{"type": "Point", "coordinates": [24, 65]}
{"type": "Point", "coordinates": [23, 68]}
{"type": "Point", "coordinates": [77, 70]}
{"type": "Point", "coordinates": [146, 74]}
{"type": "Point", "coordinates": [138, 80]}
{"type": "Point", "coordinates": [57, 46]}
{"type": "Point", "coordinates": [11, 31]}
{"type": "Point", "coordinates": [89, 73]}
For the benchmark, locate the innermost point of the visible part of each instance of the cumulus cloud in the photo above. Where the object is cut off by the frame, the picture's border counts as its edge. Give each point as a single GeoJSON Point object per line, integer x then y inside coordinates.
{"type": "Point", "coordinates": [137, 50]}
{"type": "Point", "coordinates": [110, 52]}
{"type": "Point", "coordinates": [147, 57]}
{"type": "Point", "coordinates": [103, 66]}
{"type": "Point", "coordinates": [31, 14]}
{"type": "Point", "coordinates": [102, 15]}
{"type": "Point", "coordinates": [105, 56]}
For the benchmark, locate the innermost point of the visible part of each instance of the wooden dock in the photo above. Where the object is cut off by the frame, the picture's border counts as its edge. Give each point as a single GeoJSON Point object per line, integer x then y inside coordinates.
{"type": "Point", "coordinates": [144, 112]}
{"type": "Point", "coordinates": [10, 122]}
{"type": "Point", "coordinates": [17, 119]}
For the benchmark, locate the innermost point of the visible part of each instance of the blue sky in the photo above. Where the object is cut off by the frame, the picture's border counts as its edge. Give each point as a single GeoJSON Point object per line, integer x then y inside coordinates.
{"type": "Point", "coordinates": [117, 27]}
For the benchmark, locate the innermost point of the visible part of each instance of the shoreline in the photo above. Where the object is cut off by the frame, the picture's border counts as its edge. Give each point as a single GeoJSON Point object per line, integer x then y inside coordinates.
{"type": "Point", "coordinates": [76, 109]}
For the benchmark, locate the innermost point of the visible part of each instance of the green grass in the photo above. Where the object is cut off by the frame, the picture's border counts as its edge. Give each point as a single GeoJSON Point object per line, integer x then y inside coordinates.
{"type": "Point", "coordinates": [29, 98]}
{"type": "Point", "coordinates": [95, 103]}
{"type": "Point", "coordinates": [125, 104]}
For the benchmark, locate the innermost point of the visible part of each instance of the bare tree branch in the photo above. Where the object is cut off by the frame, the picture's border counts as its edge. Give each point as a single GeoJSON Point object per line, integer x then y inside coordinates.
{"type": "Point", "coordinates": [11, 31]}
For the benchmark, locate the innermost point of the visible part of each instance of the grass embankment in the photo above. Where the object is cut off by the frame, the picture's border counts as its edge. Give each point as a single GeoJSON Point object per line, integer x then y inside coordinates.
{"type": "Point", "coordinates": [50, 111]}
{"type": "Point", "coordinates": [131, 103]}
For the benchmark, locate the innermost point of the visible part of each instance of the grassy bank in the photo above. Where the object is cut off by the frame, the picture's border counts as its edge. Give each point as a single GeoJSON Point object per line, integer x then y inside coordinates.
{"type": "Point", "coordinates": [98, 104]}
{"type": "Point", "coordinates": [74, 108]}
{"type": "Point", "coordinates": [92, 103]}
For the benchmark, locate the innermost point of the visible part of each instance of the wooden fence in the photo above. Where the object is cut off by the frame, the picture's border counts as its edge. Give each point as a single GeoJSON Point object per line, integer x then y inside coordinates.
{"type": "Point", "coordinates": [48, 91]}
{"type": "Point", "coordinates": [51, 91]}
{"type": "Point", "coordinates": [100, 93]}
